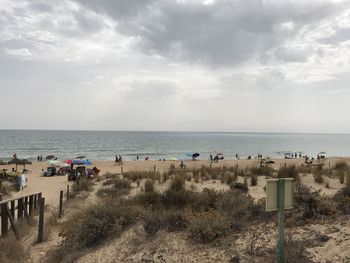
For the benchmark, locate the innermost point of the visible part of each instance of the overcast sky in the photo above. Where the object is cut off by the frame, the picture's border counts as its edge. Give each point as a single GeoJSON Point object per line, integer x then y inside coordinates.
{"type": "Point", "coordinates": [198, 65]}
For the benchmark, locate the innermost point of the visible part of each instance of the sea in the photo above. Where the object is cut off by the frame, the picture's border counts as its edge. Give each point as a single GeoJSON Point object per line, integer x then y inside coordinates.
{"type": "Point", "coordinates": [105, 145]}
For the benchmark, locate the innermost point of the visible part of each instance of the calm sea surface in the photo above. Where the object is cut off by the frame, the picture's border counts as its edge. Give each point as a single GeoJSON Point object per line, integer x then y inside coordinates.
{"type": "Point", "coordinates": [106, 144]}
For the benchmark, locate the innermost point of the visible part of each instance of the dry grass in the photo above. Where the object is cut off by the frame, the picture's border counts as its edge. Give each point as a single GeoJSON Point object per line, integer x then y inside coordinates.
{"type": "Point", "coordinates": [318, 178]}
{"type": "Point", "coordinates": [149, 186]}
{"type": "Point", "coordinates": [83, 184]}
{"type": "Point", "coordinates": [12, 250]}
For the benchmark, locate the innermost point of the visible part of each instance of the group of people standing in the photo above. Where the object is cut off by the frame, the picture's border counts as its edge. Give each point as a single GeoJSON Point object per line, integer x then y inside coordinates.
{"type": "Point", "coordinates": [118, 160]}
{"type": "Point", "coordinates": [40, 158]}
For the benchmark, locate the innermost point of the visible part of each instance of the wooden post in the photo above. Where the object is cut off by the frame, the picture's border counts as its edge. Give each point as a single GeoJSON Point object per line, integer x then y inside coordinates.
{"type": "Point", "coordinates": [4, 220]}
{"type": "Point", "coordinates": [154, 169]}
{"type": "Point", "coordinates": [67, 192]}
{"type": "Point", "coordinates": [41, 219]}
{"type": "Point", "coordinates": [35, 201]}
{"type": "Point", "coordinates": [281, 240]}
{"type": "Point", "coordinates": [60, 214]}
{"type": "Point", "coordinates": [13, 208]}
{"type": "Point", "coordinates": [121, 170]}
{"type": "Point", "coordinates": [20, 209]}
{"type": "Point", "coordinates": [31, 205]}
{"type": "Point", "coordinates": [26, 203]}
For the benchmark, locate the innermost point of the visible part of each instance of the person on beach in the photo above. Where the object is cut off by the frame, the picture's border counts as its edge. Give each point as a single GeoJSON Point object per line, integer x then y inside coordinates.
{"type": "Point", "coordinates": [182, 165]}
{"type": "Point", "coordinates": [137, 157]}
{"type": "Point", "coordinates": [116, 159]}
{"type": "Point", "coordinates": [211, 158]}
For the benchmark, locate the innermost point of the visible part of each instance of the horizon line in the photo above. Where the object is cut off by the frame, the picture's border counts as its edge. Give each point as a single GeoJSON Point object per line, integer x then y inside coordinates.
{"type": "Point", "coordinates": [182, 131]}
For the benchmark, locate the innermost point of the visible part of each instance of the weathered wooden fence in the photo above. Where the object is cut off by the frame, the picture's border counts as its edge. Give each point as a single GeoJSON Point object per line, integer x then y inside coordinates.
{"type": "Point", "coordinates": [15, 210]}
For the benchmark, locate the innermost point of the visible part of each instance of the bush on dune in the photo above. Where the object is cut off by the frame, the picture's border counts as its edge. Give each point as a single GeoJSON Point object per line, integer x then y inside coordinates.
{"type": "Point", "coordinates": [83, 184]}
{"type": "Point", "coordinates": [93, 225]}
{"type": "Point", "coordinates": [206, 228]}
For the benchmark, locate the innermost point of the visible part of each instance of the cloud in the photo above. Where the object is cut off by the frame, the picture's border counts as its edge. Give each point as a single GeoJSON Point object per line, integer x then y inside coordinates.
{"type": "Point", "coordinates": [221, 33]}
{"type": "Point", "coordinates": [22, 53]}
{"type": "Point", "coordinates": [185, 64]}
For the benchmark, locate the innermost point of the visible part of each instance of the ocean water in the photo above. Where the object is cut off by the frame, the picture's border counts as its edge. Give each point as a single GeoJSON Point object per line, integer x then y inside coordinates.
{"type": "Point", "coordinates": [155, 145]}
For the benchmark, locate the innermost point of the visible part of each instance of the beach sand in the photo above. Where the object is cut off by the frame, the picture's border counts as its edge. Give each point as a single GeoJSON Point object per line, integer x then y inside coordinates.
{"type": "Point", "coordinates": [51, 186]}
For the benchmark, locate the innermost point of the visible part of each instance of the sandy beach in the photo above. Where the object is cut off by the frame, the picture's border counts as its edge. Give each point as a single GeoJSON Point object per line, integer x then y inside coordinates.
{"type": "Point", "coordinates": [51, 186]}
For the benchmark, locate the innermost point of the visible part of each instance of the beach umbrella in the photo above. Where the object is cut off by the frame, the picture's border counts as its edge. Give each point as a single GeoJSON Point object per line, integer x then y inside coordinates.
{"type": "Point", "coordinates": [195, 155]}
{"type": "Point", "coordinates": [17, 162]}
{"type": "Point", "coordinates": [69, 161]}
{"type": "Point", "coordinates": [53, 162]}
{"type": "Point", "coordinates": [80, 157]}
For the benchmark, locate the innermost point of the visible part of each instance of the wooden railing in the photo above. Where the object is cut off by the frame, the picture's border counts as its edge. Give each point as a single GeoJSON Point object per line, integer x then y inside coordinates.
{"type": "Point", "coordinates": [15, 209]}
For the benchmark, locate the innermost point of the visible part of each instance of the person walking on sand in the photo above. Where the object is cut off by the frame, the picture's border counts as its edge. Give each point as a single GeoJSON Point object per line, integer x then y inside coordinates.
{"type": "Point", "coordinates": [211, 158]}
{"type": "Point", "coordinates": [116, 160]}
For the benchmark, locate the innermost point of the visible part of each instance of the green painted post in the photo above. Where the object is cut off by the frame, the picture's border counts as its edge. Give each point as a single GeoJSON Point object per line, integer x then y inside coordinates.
{"type": "Point", "coordinates": [281, 240]}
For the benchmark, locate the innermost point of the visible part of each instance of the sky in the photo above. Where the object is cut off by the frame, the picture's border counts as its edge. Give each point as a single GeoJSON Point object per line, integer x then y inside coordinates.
{"type": "Point", "coordinates": [185, 65]}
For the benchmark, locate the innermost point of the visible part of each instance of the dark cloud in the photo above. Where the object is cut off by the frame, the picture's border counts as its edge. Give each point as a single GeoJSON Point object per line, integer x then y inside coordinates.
{"type": "Point", "coordinates": [223, 33]}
